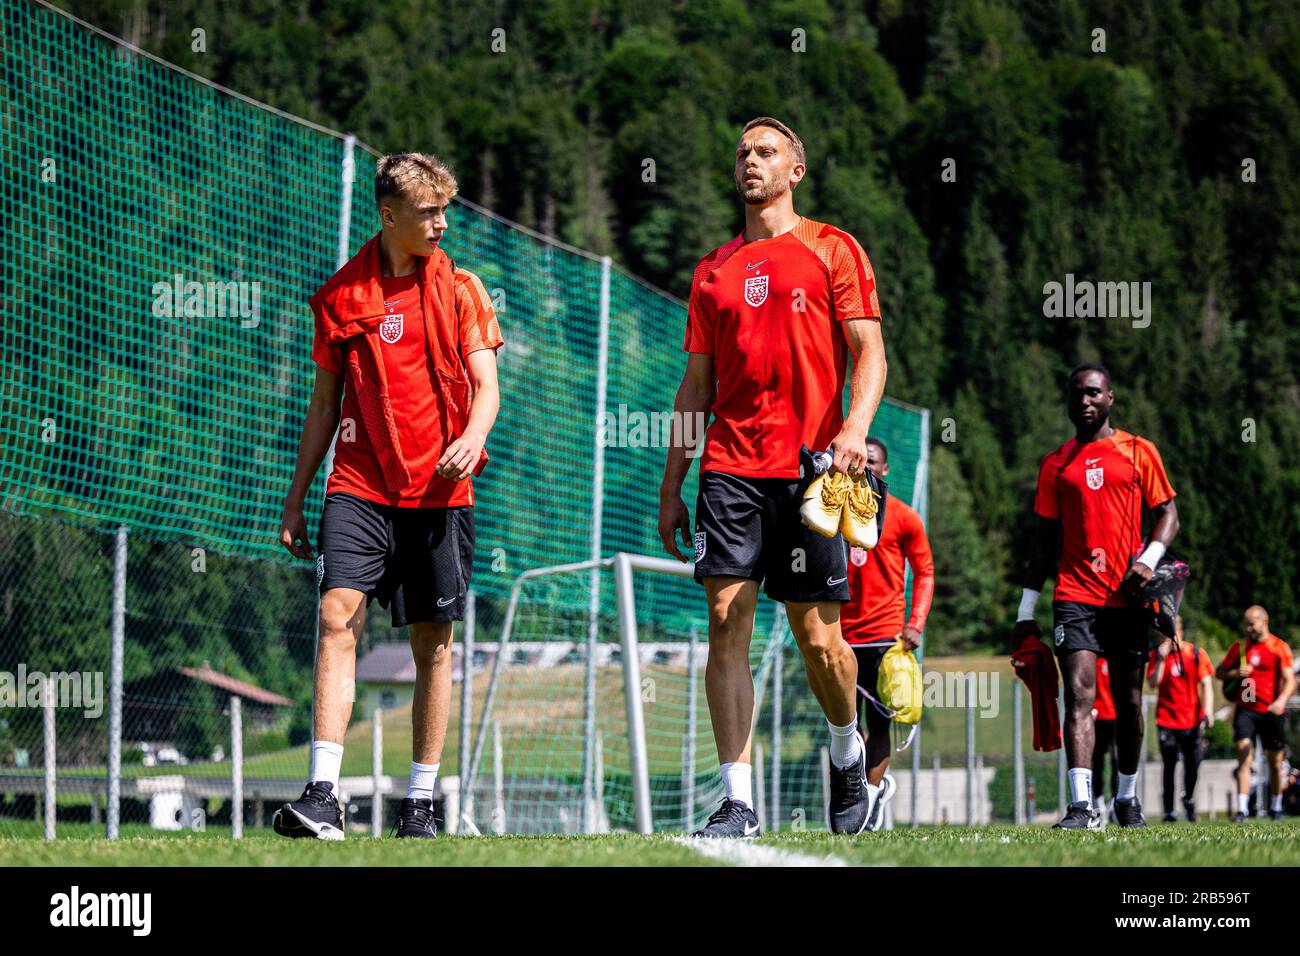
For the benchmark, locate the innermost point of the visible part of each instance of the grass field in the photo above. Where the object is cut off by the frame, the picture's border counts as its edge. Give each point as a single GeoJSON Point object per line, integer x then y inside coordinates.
{"type": "Point", "coordinates": [1260, 843]}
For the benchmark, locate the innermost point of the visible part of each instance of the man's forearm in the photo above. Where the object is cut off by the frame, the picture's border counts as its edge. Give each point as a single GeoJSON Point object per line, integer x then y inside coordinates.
{"type": "Point", "coordinates": [866, 388]}
{"type": "Point", "coordinates": [691, 404]}
{"type": "Point", "coordinates": [317, 433]}
{"type": "Point", "coordinates": [483, 409]}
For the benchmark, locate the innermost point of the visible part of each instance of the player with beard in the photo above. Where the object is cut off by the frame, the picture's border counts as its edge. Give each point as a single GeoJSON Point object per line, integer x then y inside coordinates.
{"type": "Point", "coordinates": [773, 316]}
{"type": "Point", "coordinates": [1089, 528]}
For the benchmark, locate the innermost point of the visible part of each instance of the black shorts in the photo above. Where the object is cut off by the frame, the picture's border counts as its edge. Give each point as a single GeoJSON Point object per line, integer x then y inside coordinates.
{"type": "Point", "coordinates": [750, 528]}
{"type": "Point", "coordinates": [418, 560]}
{"type": "Point", "coordinates": [869, 658]}
{"type": "Point", "coordinates": [1269, 728]}
{"type": "Point", "coordinates": [1120, 634]}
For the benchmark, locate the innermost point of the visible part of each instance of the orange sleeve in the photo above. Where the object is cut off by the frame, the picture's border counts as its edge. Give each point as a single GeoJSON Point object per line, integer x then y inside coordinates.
{"type": "Point", "coordinates": [1284, 653]}
{"type": "Point", "coordinates": [1205, 670]}
{"type": "Point", "coordinates": [917, 548]}
{"type": "Point", "coordinates": [479, 328]}
{"type": "Point", "coordinates": [699, 318]}
{"type": "Point", "coordinates": [853, 281]}
{"type": "Point", "coordinates": [1156, 489]}
{"type": "Point", "coordinates": [1046, 504]}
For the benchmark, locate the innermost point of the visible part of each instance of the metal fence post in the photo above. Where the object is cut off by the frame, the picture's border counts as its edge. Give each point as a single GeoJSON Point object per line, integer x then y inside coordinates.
{"type": "Point", "coordinates": [826, 786]}
{"type": "Point", "coordinates": [1017, 753]}
{"type": "Point", "coordinates": [688, 743]}
{"type": "Point", "coordinates": [498, 782]}
{"type": "Point", "coordinates": [759, 803]}
{"type": "Point", "coordinates": [236, 768]}
{"type": "Point", "coordinates": [466, 714]}
{"type": "Point", "coordinates": [778, 682]}
{"type": "Point", "coordinates": [970, 749]}
{"type": "Point", "coordinates": [597, 527]}
{"type": "Point", "coordinates": [377, 771]}
{"type": "Point", "coordinates": [1061, 800]}
{"type": "Point", "coordinates": [51, 751]}
{"type": "Point", "coordinates": [915, 796]}
{"type": "Point", "coordinates": [113, 810]}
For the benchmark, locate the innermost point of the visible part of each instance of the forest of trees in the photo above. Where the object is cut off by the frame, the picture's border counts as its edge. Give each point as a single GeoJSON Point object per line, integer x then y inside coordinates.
{"type": "Point", "coordinates": [1114, 141]}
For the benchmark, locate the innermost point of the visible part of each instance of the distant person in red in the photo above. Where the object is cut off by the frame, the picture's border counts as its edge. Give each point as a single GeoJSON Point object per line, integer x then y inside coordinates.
{"type": "Point", "coordinates": [1263, 683]}
{"type": "Point", "coordinates": [1184, 702]}
{"type": "Point", "coordinates": [1091, 492]}
{"type": "Point", "coordinates": [876, 616]}
{"type": "Point", "coordinates": [1103, 717]}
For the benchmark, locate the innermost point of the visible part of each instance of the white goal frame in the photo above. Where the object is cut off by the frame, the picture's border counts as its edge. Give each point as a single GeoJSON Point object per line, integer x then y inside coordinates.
{"type": "Point", "coordinates": [623, 565]}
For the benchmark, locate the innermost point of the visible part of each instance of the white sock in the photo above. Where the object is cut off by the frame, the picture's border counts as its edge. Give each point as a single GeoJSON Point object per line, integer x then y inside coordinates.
{"type": "Point", "coordinates": [1243, 803]}
{"type": "Point", "coordinates": [326, 761]}
{"type": "Point", "coordinates": [1128, 787]}
{"type": "Point", "coordinates": [1275, 804]}
{"type": "Point", "coordinates": [846, 745]}
{"type": "Point", "coordinates": [738, 778]}
{"type": "Point", "coordinates": [1081, 785]}
{"type": "Point", "coordinates": [423, 777]}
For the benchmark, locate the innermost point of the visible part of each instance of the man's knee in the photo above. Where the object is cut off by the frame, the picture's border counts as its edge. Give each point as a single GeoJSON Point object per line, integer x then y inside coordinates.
{"type": "Point", "coordinates": [731, 619]}
{"type": "Point", "coordinates": [340, 616]}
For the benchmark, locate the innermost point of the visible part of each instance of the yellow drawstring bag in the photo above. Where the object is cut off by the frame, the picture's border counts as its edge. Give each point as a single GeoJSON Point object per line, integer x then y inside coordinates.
{"type": "Point", "coordinates": [899, 684]}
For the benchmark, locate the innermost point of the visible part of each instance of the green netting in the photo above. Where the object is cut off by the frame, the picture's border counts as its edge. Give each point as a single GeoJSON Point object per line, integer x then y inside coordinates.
{"type": "Point", "coordinates": [120, 174]}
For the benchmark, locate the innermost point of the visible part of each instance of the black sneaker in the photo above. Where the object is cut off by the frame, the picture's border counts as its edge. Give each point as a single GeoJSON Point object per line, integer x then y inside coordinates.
{"type": "Point", "coordinates": [415, 819]}
{"type": "Point", "coordinates": [1189, 810]}
{"type": "Point", "coordinates": [1276, 814]}
{"type": "Point", "coordinates": [1081, 816]}
{"type": "Point", "coordinates": [314, 815]}
{"type": "Point", "coordinates": [1129, 813]}
{"type": "Point", "coordinates": [732, 819]}
{"type": "Point", "coordinates": [850, 802]}
{"type": "Point", "coordinates": [1240, 817]}
{"type": "Point", "coordinates": [876, 819]}
{"type": "Point", "coordinates": [1170, 817]}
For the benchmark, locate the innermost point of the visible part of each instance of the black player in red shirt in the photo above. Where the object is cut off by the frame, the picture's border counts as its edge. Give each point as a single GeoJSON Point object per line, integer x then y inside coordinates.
{"type": "Point", "coordinates": [1089, 503]}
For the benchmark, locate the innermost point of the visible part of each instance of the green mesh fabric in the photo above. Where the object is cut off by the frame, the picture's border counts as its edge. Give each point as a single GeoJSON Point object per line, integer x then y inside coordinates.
{"type": "Point", "coordinates": [119, 174]}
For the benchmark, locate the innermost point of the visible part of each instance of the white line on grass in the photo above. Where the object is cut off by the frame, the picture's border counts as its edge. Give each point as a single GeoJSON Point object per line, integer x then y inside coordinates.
{"type": "Point", "coordinates": [748, 853]}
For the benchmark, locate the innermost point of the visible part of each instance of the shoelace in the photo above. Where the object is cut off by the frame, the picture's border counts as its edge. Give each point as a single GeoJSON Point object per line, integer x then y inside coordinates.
{"type": "Point", "coordinates": [724, 812]}
{"type": "Point", "coordinates": [418, 816]}
{"type": "Point", "coordinates": [862, 500]}
{"type": "Point", "coordinates": [316, 796]}
{"type": "Point", "coordinates": [835, 489]}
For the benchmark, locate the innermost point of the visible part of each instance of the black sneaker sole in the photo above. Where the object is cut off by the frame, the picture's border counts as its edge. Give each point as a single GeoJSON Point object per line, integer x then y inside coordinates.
{"type": "Point", "coordinates": [290, 823]}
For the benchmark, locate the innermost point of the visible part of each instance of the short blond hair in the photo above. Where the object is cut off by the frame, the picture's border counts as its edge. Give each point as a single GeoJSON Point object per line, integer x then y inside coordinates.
{"type": "Point", "coordinates": [408, 175]}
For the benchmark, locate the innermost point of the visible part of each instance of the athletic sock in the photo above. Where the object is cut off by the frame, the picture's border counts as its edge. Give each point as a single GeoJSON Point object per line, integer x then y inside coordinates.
{"type": "Point", "coordinates": [326, 761]}
{"type": "Point", "coordinates": [1275, 804]}
{"type": "Point", "coordinates": [1243, 803]}
{"type": "Point", "coordinates": [846, 745]}
{"type": "Point", "coordinates": [423, 777]}
{"type": "Point", "coordinates": [738, 778]}
{"type": "Point", "coordinates": [1081, 785]}
{"type": "Point", "coordinates": [1128, 787]}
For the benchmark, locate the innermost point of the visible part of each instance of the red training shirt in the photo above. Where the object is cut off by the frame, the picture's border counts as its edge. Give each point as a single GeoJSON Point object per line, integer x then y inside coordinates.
{"type": "Point", "coordinates": [416, 402]}
{"type": "Point", "coordinates": [769, 312]}
{"type": "Point", "coordinates": [1103, 704]}
{"type": "Point", "coordinates": [1096, 490]}
{"type": "Point", "coordinates": [874, 612]}
{"type": "Point", "coordinates": [1270, 660]}
{"type": "Point", "coordinates": [1178, 697]}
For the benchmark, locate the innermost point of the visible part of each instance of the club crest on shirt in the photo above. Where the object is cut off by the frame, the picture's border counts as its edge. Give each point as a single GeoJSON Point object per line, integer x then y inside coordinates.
{"type": "Point", "coordinates": [858, 556]}
{"type": "Point", "coordinates": [1095, 478]}
{"type": "Point", "coordinates": [390, 330]}
{"type": "Point", "coordinates": [756, 290]}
